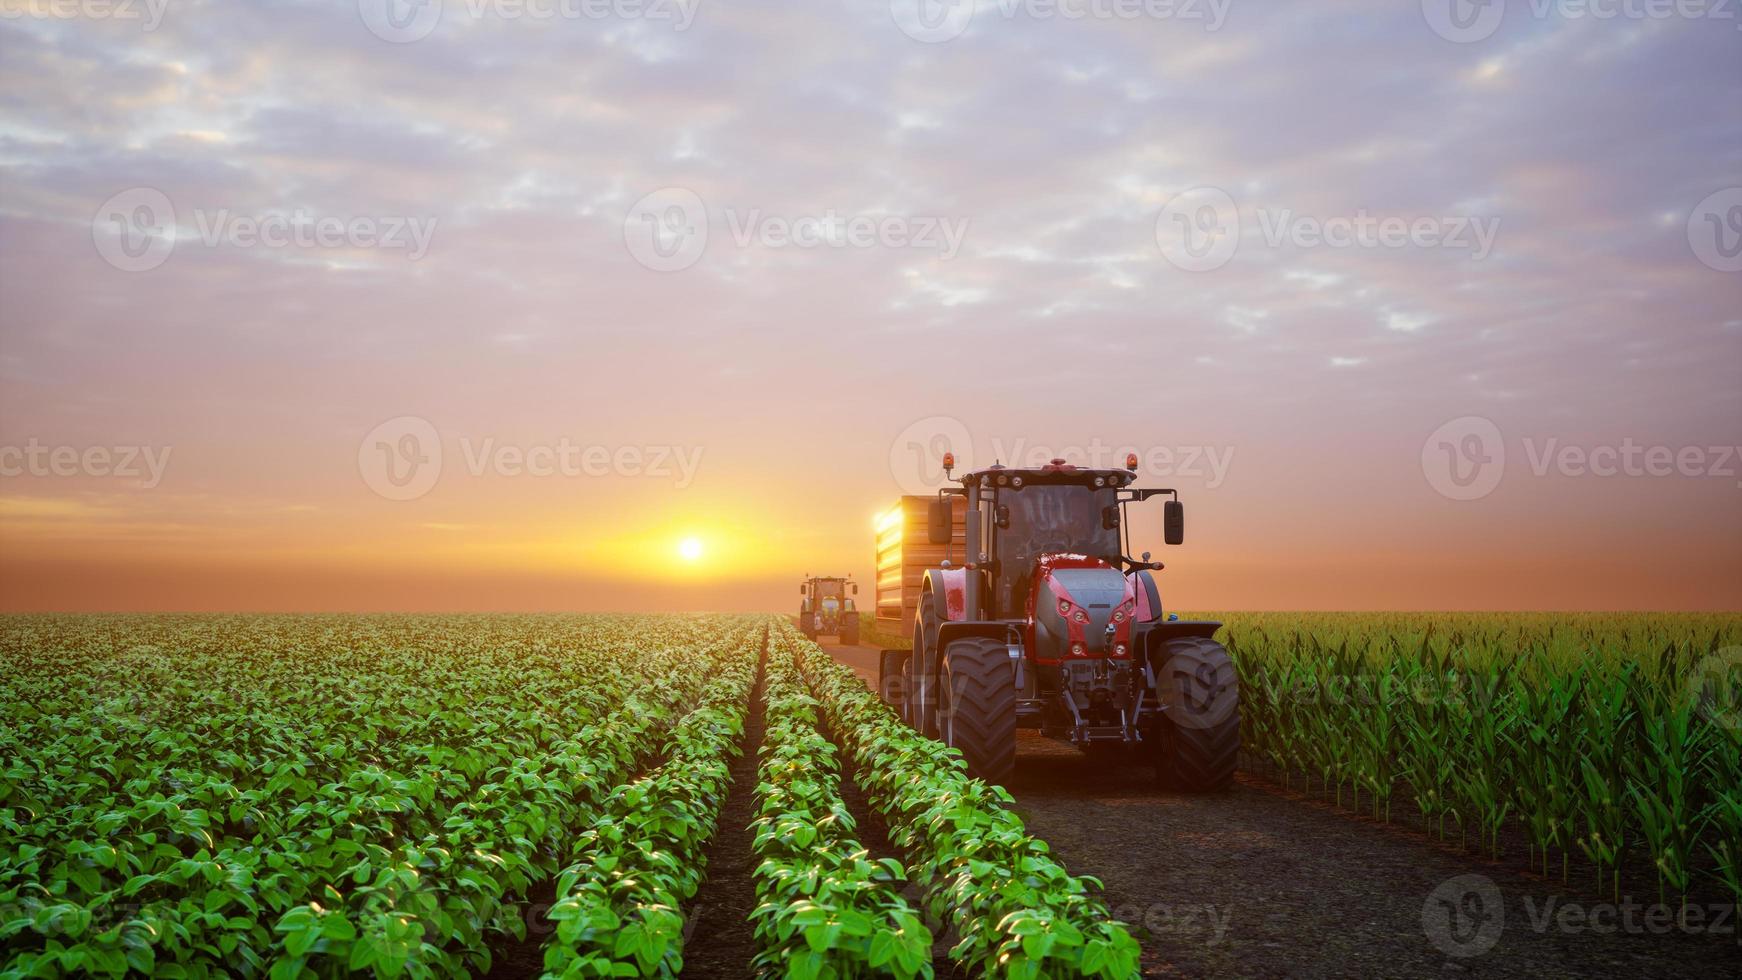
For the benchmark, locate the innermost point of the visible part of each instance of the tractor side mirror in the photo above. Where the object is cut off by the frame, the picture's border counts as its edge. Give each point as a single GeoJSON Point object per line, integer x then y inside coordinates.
{"type": "Point", "coordinates": [938, 523]}
{"type": "Point", "coordinates": [1173, 522]}
{"type": "Point", "coordinates": [855, 586]}
{"type": "Point", "coordinates": [801, 590]}
{"type": "Point", "coordinates": [1110, 517]}
{"type": "Point", "coordinates": [1001, 516]}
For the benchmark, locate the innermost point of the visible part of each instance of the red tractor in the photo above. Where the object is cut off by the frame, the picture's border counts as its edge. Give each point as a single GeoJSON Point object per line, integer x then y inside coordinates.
{"type": "Point", "coordinates": [1046, 623]}
{"type": "Point", "coordinates": [828, 609]}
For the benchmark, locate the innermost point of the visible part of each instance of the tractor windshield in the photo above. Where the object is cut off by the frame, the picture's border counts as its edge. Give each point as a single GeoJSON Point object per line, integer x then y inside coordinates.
{"type": "Point", "coordinates": [1049, 519]}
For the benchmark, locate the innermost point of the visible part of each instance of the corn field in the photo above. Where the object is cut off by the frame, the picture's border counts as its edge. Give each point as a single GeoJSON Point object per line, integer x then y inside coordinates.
{"type": "Point", "coordinates": [1611, 743]}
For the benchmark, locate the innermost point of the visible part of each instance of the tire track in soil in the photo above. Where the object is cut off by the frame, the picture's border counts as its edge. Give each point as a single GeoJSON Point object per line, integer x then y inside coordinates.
{"type": "Point", "coordinates": [721, 940]}
{"type": "Point", "coordinates": [1253, 882]}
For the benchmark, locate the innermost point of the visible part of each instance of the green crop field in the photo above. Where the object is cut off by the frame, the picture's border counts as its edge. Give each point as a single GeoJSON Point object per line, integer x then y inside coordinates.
{"type": "Point", "coordinates": [327, 795]}
{"type": "Point", "coordinates": [1601, 737]}
{"type": "Point", "coordinates": [323, 796]}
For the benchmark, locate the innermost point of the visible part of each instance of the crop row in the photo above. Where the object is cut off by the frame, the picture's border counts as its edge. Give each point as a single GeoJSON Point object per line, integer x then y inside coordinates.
{"type": "Point", "coordinates": [216, 804]}
{"type": "Point", "coordinates": [619, 908]}
{"type": "Point", "coordinates": [1017, 911]}
{"type": "Point", "coordinates": [826, 908]}
{"type": "Point", "coordinates": [1614, 744]}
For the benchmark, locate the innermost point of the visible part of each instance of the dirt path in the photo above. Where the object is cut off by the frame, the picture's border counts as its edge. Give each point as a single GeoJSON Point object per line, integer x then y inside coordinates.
{"type": "Point", "coordinates": [1256, 882]}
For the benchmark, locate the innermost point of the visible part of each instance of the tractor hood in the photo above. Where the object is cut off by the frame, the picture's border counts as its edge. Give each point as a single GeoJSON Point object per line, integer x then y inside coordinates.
{"type": "Point", "coordinates": [1082, 608]}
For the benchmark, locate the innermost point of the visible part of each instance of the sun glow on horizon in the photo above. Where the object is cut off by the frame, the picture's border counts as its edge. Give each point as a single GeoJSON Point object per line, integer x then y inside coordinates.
{"type": "Point", "coordinates": [690, 549]}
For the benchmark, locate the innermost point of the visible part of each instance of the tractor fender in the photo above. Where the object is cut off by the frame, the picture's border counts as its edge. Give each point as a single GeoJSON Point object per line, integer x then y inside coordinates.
{"type": "Point", "coordinates": [1157, 634]}
{"type": "Point", "coordinates": [1148, 597]}
{"type": "Point", "coordinates": [948, 588]}
{"type": "Point", "coordinates": [950, 632]}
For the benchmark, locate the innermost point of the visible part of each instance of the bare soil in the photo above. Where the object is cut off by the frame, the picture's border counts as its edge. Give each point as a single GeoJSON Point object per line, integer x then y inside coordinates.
{"type": "Point", "coordinates": [721, 940]}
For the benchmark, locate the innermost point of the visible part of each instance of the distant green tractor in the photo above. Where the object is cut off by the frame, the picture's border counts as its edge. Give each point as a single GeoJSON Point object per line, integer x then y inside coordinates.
{"type": "Point", "coordinates": [828, 609]}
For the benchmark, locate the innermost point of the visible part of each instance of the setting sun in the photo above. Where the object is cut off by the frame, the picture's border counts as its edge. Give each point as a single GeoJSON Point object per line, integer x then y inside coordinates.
{"type": "Point", "coordinates": [690, 549]}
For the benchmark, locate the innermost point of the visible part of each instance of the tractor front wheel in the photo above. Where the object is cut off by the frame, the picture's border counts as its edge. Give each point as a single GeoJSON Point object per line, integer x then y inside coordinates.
{"type": "Point", "coordinates": [978, 710]}
{"type": "Point", "coordinates": [1196, 741]}
{"type": "Point", "coordinates": [850, 630]}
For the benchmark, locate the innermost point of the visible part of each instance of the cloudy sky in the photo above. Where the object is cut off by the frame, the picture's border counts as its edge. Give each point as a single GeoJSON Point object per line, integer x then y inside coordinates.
{"type": "Point", "coordinates": [494, 304]}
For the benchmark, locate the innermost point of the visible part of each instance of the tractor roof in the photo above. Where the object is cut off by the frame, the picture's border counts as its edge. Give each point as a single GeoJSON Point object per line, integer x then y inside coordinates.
{"type": "Point", "coordinates": [1056, 472]}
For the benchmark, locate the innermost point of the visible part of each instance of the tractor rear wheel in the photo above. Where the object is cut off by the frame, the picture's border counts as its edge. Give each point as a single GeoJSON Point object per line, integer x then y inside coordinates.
{"type": "Point", "coordinates": [1196, 741]}
{"type": "Point", "coordinates": [978, 710]}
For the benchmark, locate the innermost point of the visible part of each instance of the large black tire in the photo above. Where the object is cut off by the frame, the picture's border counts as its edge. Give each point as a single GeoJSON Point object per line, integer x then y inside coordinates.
{"type": "Point", "coordinates": [1196, 743]}
{"type": "Point", "coordinates": [978, 714]}
{"type": "Point", "coordinates": [920, 706]}
{"type": "Point", "coordinates": [850, 630]}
